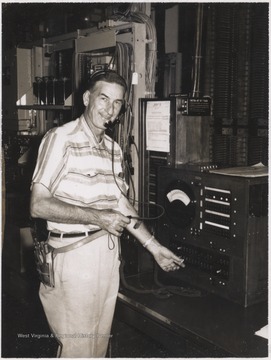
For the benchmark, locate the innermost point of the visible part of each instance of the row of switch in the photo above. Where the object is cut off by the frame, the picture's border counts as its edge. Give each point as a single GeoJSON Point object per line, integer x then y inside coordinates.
{"type": "Point", "coordinates": [206, 267]}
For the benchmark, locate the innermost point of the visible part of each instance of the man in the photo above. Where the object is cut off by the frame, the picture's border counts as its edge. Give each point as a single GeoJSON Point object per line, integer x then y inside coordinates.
{"type": "Point", "coordinates": [77, 187]}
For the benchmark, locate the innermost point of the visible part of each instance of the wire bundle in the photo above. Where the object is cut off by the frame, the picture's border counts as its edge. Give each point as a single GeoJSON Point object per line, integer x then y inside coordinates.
{"type": "Point", "coordinates": [151, 58]}
{"type": "Point", "coordinates": [122, 62]}
{"type": "Point", "coordinates": [151, 53]}
{"type": "Point", "coordinates": [124, 58]}
{"type": "Point", "coordinates": [198, 53]}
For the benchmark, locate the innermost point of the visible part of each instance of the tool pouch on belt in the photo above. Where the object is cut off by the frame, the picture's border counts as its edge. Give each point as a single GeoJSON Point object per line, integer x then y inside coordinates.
{"type": "Point", "coordinates": [44, 257]}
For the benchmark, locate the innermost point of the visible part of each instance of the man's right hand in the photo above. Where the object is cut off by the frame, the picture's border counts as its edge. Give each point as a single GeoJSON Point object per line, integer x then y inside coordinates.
{"type": "Point", "coordinates": [112, 221]}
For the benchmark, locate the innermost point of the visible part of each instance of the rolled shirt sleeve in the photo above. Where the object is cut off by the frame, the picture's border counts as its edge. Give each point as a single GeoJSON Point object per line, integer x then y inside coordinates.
{"type": "Point", "coordinates": [51, 161]}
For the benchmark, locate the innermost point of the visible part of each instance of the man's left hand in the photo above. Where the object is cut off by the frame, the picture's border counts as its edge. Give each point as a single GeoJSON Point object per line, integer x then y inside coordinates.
{"type": "Point", "coordinates": [165, 258]}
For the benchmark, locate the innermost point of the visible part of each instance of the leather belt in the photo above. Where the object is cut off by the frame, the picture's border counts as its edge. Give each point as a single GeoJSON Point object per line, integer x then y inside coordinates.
{"type": "Point", "coordinates": [93, 235]}
{"type": "Point", "coordinates": [72, 235]}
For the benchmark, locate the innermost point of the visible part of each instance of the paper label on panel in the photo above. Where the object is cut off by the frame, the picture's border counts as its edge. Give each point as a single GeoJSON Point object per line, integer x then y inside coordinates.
{"type": "Point", "coordinates": [157, 126]}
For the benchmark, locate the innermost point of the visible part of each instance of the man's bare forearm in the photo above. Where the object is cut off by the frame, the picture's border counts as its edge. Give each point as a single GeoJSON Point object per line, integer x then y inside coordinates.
{"type": "Point", "coordinates": [136, 228]}
{"type": "Point", "coordinates": [55, 210]}
{"type": "Point", "coordinates": [45, 206]}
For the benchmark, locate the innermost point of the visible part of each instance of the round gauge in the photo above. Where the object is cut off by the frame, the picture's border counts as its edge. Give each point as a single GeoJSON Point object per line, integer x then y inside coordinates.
{"type": "Point", "coordinates": [180, 204]}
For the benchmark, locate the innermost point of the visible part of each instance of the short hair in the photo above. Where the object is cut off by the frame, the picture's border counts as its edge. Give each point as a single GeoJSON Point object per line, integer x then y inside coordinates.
{"type": "Point", "coordinates": [109, 76]}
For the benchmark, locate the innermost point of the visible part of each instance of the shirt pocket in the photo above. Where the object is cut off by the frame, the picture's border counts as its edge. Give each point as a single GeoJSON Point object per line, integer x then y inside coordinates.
{"type": "Point", "coordinates": [79, 189]}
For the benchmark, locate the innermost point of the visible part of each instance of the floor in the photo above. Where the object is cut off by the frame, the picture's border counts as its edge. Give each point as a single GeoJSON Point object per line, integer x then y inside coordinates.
{"type": "Point", "coordinates": [25, 333]}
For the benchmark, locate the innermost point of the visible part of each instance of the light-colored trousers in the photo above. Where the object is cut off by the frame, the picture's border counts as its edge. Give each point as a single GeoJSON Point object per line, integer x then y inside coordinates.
{"type": "Point", "coordinates": [80, 307]}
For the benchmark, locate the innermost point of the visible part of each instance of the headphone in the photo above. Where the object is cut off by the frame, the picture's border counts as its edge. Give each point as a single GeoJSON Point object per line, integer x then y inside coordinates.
{"type": "Point", "coordinates": [100, 74]}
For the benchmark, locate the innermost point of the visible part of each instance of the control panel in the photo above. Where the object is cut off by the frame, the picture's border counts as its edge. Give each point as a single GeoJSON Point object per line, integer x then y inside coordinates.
{"type": "Point", "coordinates": [218, 225]}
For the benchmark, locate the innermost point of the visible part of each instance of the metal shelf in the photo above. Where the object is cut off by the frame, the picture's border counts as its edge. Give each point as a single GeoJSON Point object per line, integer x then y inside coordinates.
{"type": "Point", "coordinates": [44, 107]}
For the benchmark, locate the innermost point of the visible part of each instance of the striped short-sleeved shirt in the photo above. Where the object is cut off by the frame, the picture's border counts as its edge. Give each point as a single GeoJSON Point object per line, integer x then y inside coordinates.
{"type": "Point", "coordinates": [78, 170]}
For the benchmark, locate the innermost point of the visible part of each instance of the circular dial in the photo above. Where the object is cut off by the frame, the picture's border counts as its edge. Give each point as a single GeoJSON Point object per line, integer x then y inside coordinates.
{"type": "Point", "coordinates": [180, 203]}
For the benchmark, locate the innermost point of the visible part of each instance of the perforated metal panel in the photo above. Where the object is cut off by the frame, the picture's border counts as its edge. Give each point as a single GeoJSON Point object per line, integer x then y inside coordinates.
{"type": "Point", "coordinates": [238, 37]}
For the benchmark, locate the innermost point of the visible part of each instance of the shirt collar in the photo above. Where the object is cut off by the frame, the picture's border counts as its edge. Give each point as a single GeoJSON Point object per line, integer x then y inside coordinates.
{"type": "Point", "coordinates": [89, 133]}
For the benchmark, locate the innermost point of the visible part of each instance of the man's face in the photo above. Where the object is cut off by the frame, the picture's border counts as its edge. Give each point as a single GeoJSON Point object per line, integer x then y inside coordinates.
{"type": "Point", "coordinates": [103, 104]}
